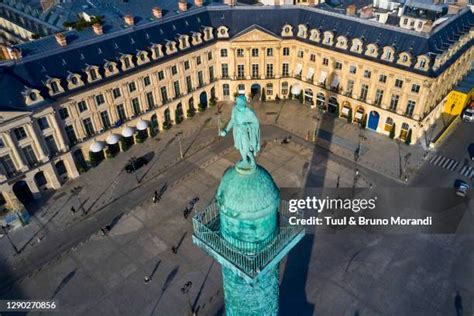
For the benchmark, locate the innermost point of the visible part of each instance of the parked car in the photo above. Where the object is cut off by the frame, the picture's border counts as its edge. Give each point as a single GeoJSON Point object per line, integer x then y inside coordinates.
{"type": "Point", "coordinates": [462, 189]}
{"type": "Point", "coordinates": [470, 149]}
{"type": "Point", "coordinates": [468, 115]}
{"type": "Point", "coordinates": [134, 164]}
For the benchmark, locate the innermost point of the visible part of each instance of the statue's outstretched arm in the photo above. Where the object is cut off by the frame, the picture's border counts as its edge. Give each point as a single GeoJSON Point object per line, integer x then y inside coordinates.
{"type": "Point", "coordinates": [227, 128]}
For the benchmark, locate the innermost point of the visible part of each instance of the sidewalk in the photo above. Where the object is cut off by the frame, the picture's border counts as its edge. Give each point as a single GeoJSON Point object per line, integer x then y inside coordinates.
{"type": "Point", "coordinates": [378, 152]}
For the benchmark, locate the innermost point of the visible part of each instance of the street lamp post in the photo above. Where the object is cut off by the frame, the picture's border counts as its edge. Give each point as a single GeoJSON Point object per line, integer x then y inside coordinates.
{"type": "Point", "coordinates": [75, 191]}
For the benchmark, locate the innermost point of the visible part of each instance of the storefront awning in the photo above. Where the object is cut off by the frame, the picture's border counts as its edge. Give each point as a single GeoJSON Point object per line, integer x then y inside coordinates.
{"type": "Point", "coordinates": [142, 125]}
{"type": "Point", "coordinates": [310, 73]}
{"type": "Point", "coordinates": [345, 110]}
{"type": "Point", "coordinates": [96, 147]}
{"type": "Point", "coordinates": [359, 114]}
{"type": "Point", "coordinates": [322, 76]}
{"type": "Point", "coordinates": [112, 139]}
{"type": "Point", "coordinates": [127, 132]}
{"type": "Point", "coordinates": [296, 89]}
{"type": "Point", "coordinates": [298, 69]}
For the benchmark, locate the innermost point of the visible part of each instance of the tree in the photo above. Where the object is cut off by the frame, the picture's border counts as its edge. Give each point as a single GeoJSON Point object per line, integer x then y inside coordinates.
{"type": "Point", "coordinates": [392, 132]}
{"type": "Point", "coordinates": [363, 122]}
{"type": "Point", "coordinates": [349, 116]}
{"type": "Point", "coordinates": [190, 112]}
{"type": "Point", "coordinates": [201, 107]}
{"type": "Point", "coordinates": [264, 96]}
{"type": "Point", "coordinates": [408, 138]}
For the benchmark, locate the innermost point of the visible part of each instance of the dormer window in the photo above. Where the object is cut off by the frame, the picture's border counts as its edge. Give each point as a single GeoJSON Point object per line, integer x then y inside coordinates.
{"type": "Point", "coordinates": [110, 68]}
{"type": "Point", "coordinates": [156, 51]}
{"type": "Point", "coordinates": [328, 38]}
{"type": "Point", "coordinates": [73, 81]}
{"type": "Point", "coordinates": [222, 32]}
{"type": "Point", "coordinates": [170, 47]}
{"type": "Point", "coordinates": [372, 50]}
{"type": "Point", "coordinates": [388, 53]}
{"type": "Point", "coordinates": [356, 46]}
{"type": "Point", "coordinates": [422, 62]}
{"type": "Point", "coordinates": [142, 57]}
{"type": "Point", "coordinates": [197, 38]}
{"type": "Point", "coordinates": [183, 42]}
{"type": "Point", "coordinates": [287, 30]}
{"type": "Point", "coordinates": [341, 42]}
{"type": "Point", "coordinates": [54, 86]}
{"type": "Point", "coordinates": [32, 96]}
{"type": "Point", "coordinates": [404, 59]}
{"type": "Point", "coordinates": [208, 33]}
{"type": "Point", "coordinates": [315, 35]}
{"type": "Point", "coordinates": [92, 73]}
{"type": "Point", "coordinates": [302, 31]}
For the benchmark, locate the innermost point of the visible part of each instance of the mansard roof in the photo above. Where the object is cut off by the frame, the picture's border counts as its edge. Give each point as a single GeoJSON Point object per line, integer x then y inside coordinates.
{"type": "Point", "coordinates": [44, 58]}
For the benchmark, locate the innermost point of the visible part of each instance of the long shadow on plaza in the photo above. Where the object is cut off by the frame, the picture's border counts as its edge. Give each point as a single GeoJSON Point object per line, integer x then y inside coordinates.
{"type": "Point", "coordinates": [11, 291]}
{"type": "Point", "coordinates": [293, 297]}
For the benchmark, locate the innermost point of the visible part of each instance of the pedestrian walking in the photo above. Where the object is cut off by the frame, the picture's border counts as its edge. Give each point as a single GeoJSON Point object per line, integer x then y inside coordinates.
{"type": "Point", "coordinates": [73, 210]}
{"type": "Point", "coordinates": [155, 197]}
{"type": "Point", "coordinates": [174, 249]}
{"type": "Point", "coordinates": [146, 279]}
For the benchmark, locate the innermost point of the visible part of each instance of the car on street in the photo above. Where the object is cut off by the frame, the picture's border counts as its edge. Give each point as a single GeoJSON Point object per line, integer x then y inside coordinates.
{"type": "Point", "coordinates": [135, 164]}
{"type": "Point", "coordinates": [468, 115]}
{"type": "Point", "coordinates": [462, 188]}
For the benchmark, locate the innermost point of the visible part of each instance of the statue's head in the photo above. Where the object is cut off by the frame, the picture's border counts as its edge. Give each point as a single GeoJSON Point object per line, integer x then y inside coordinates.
{"type": "Point", "coordinates": [241, 102]}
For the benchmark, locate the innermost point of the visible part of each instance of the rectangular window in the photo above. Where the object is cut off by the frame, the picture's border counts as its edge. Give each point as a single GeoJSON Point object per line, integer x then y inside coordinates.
{"type": "Point", "coordinates": [325, 61]}
{"type": "Point", "coordinates": [254, 52]}
{"type": "Point", "coordinates": [225, 90]}
{"type": "Point", "coordinates": [71, 134]}
{"type": "Point", "coordinates": [63, 113]}
{"type": "Point", "coordinates": [352, 69]}
{"type": "Point", "coordinates": [378, 97]}
{"type": "Point", "coordinates": [43, 123]}
{"type": "Point", "coordinates": [300, 54]}
{"type": "Point", "coordinates": [132, 86]}
{"type": "Point", "coordinates": [350, 87]}
{"type": "Point", "coordinates": [99, 99]}
{"type": "Point", "coordinates": [200, 79]}
{"type": "Point", "coordinates": [394, 102]}
{"type": "Point", "coordinates": [225, 71]}
{"type": "Point", "coordinates": [116, 93]}
{"type": "Point", "coordinates": [285, 70]}
{"type": "Point", "coordinates": [367, 74]}
{"type": "Point", "coordinates": [312, 57]}
{"type": "Point", "coordinates": [240, 71]}
{"type": "Point", "coordinates": [146, 81]}
{"type": "Point", "coordinates": [254, 70]}
{"type": "Point", "coordinates": [198, 60]}
{"type": "Point", "coordinates": [8, 165]}
{"type": "Point", "coordinates": [382, 78]}
{"type": "Point", "coordinates": [93, 73]}
{"type": "Point", "coordinates": [270, 70]}
{"type": "Point", "coordinates": [410, 108]}
{"type": "Point", "coordinates": [269, 52]}
{"type": "Point", "coordinates": [240, 52]}
{"type": "Point", "coordinates": [29, 156]}
{"type": "Point", "coordinates": [364, 89]}
{"type": "Point", "coordinates": [51, 145]}
{"type": "Point", "coordinates": [19, 133]}
{"type": "Point", "coordinates": [286, 51]}
{"type": "Point", "coordinates": [186, 65]}
{"type": "Point", "coordinates": [398, 83]}
{"type": "Point", "coordinates": [104, 116]}
{"type": "Point", "coordinates": [209, 56]}
{"type": "Point", "coordinates": [164, 94]}
{"type": "Point", "coordinates": [161, 75]}
{"type": "Point", "coordinates": [189, 84]}
{"type": "Point", "coordinates": [89, 128]}
{"type": "Point", "coordinates": [415, 88]}
{"type": "Point", "coordinates": [223, 52]}
{"type": "Point", "coordinates": [338, 65]}
{"type": "Point", "coordinates": [211, 73]}
{"type": "Point", "coordinates": [136, 106]}
{"type": "Point", "coordinates": [82, 106]}
{"type": "Point", "coordinates": [177, 91]}
{"type": "Point", "coordinates": [174, 70]}
{"type": "Point", "coordinates": [150, 100]}
{"type": "Point", "coordinates": [121, 112]}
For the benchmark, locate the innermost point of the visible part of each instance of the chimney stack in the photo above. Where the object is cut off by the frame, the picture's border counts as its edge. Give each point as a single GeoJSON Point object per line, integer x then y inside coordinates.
{"type": "Point", "coordinates": [157, 12]}
{"type": "Point", "coordinates": [198, 3]}
{"type": "Point", "coordinates": [351, 10]}
{"type": "Point", "coordinates": [182, 5]}
{"type": "Point", "coordinates": [97, 27]}
{"type": "Point", "coordinates": [14, 53]}
{"type": "Point", "coordinates": [129, 20]}
{"type": "Point", "coordinates": [61, 39]}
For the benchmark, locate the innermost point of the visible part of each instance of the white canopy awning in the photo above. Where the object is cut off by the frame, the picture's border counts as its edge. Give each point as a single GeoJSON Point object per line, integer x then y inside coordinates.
{"type": "Point", "coordinates": [335, 81]}
{"type": "Point", "coordinates": [96, 147]}
{"type": "Point", "coordinates": [127, 132]}
{"type": "Point", "coordinates": [310, 73]}
{"type": "Point", "coordinates": [296, 89]}
{"type": "Point", "coordinates": [359, 114]}
{"type": "Point", "coordinates": [322, 76]}
{"type": "Point", "coordinates": [298, 69]}
{"type": "Point", "coordinates": [112, 139]}
{"type": "Point", "coordinates": [345, 110]}
{"type": "Point", "coordinates": [142, 125]}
